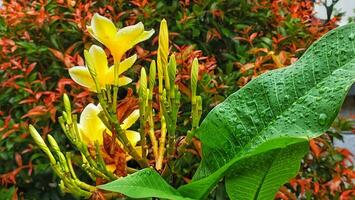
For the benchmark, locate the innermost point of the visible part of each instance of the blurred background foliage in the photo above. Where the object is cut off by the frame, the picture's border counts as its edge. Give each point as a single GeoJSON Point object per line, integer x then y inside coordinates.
{"type": "Point", "coordinates": [235, 41]}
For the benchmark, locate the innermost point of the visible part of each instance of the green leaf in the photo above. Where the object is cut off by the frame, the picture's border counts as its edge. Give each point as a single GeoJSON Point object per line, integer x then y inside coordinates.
{"type": "Point", "coordinates": [282, 107]}
{"type": "Point", "coordinates": [262, 180]}
{"type": "Point", "coordinates": [143, 184]}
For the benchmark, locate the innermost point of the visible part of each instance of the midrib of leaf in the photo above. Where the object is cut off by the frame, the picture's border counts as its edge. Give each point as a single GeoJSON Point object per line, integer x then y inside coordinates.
{"type": "Point", "coordinates": [242, 154]}
{"type": "Point", "coordinates": [263, 179]}
{"type": "Point", "coordinates": [306, 93]}
{"type": "Point", "coordinates": [298, 97]}
{"type": "Point", "coordinates": [261, 183]}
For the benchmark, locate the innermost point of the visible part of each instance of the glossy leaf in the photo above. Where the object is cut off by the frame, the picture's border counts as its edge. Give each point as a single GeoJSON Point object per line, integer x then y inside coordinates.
{"type": "Point", "coordinates": [143, 184]}
{"type": "Point", "coordinates": [279, 108]}
{"type": "Point", "coordinates": [262, 180]}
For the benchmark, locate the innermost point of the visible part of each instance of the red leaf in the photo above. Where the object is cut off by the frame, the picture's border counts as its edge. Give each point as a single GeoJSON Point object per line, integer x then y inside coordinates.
{"type": "Point", "coordinates": [57, 54]}
{"type": "Point", "coordinates": [315, 148]}
{"type": "Point", "coordinates": [36, 111]}
{"type": "Point", "coordinates": [30, 68]}
{"type": "Point", "coordinates": [18, 159]}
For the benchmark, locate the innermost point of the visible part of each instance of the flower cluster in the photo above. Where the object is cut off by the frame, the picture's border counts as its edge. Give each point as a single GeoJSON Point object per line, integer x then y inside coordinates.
{"type": "Point", "coordinates": [97, 74]}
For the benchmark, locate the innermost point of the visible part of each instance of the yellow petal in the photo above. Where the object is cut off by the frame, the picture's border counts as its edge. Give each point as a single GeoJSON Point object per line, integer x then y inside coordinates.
{"type": "Point", "coordinates": [103, 29]}
{"type": "Point", "coordinates": [126, 38]}
{"type": "Point", "coordinates": [81, 76]}
{"type": "Point", "coordinates": [139, 151]}
{"type": "Point", "coordinates": [123, 80]}
{"type": "Point", "coordinates": [99, 59]}
{"type": "Point", "coordinates": [124, 66]}
{"type": "Point", "coordinates": [133, 137]}
{"type": "Point", "coordinates": [85, 137]}
{"type": "Point", "coordinates": [129, 33]}
{"type": "Point", "coordinates": [111, 167]}
{"type": "Point", "coordinates": [89, 28]}
{"type": "Point", "coordinates": [91, 125]}
{"type": "Point", "coordinates": [130, 120]}
{"type": "Point", "coordinates": [144, 36]}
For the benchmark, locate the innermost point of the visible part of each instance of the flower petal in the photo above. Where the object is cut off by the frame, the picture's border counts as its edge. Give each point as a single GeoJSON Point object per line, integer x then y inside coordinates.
{"type": "Point", "coordinates": [124, 65]}
{"type": "Point", "coordinates": [99, 59]}
{"type": "Point", "coordinates": [103, 29]}
{"type": "Point", "coordinates": [111, 167]}
{"type": "Point", "coordinates": [91, 125]}
{"type": "Point", "coordinates": [124, 80]}
{"type": "Point", "coordinates": [125, 37]}
{"type": "Point", "coordinates": [133, 137]}
{"type": "Point", "coordinates": [129, 33]}
{"type": "Point", "coordinates": [89, 28]}
{"type": "Point", "coordinates": [81, 76]}
{"type": "Point", "coordinates": [139, 151]}
{"type": "Point", "coordinates": [130, 120]}
{"type": "Point", "coordinates": [110, 74]}
{"type": "Point", "coordinates": [144, 36]}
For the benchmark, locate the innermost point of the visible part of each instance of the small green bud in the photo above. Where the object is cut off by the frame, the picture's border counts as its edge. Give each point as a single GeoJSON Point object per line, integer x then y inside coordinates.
{"type": "Point", "coordinates": [194, 78]}
{"type": "Point", "coordinates": [143, 85]}
{"type": "Point", "coordinates": [199, 106]}
{"type": "Point", "coordinates": [62, 187]}
{"type": "Point", "coordinates": [65, 117]}
{"type": "Point", "coordinates": [53, 143]}
{"type": "Point", "coordinates": [166, 77]}
{"type": "Point", "coordinates": [172, 69]}
{"type": "Point", "coordinates": [67, 105]}
{"type": "Point", "coordinates": [152, 74]}
{"type": "Point", "coordinates": [40, 142]}
{"type": "Point", "coordinates": [60, 155]}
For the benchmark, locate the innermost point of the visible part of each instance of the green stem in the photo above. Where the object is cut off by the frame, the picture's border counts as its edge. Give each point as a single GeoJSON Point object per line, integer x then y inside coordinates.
{"type": "Point", "coordinates": [142, 119]}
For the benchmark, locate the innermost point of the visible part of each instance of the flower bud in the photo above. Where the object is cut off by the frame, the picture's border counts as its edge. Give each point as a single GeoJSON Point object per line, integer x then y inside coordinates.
{"type": "Point", "coordinates": [40, 142]}
{"type": "Point", "coordinates": [60, 155]}
{"type": "Point", "coordinates": [143, 85]}
{"type": "Point", "coordinates": [67, 105]}
{"type": "Point", "coordinates": [172, 69]}
{"type": "Point", "coordinates": [162, 58]}
{"type": "Point", "coordinates": [194, 78]}
{"type": "Point", "coordinates": [152, 74]}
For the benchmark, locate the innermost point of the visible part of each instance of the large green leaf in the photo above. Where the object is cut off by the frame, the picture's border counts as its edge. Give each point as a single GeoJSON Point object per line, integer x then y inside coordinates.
{"type": "Point", "coordinates": [263, 179]}
{"type": "Point", "coordinates": [282, 107]}
{"type": "Point", "coordinates": [145, 183]}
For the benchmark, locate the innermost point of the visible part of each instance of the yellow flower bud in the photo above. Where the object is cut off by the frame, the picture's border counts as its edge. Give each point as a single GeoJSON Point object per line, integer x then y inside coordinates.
{"type": "Point", "coordinates": [143, 85]}
{"type": "Point", "coordinates": [194, 78]}
{"type": "Point", "coordinates": [162, 58]}
{"type": "Point", "coordinates": [152, 74]}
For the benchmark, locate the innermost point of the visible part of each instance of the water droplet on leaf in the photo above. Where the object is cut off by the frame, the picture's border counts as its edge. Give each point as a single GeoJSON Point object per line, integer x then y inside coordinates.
{"type": "Point", "coordinates": [322, 119]}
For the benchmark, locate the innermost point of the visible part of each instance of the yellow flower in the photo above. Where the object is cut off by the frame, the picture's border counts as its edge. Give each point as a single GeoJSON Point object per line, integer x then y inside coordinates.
{"type": "Point", "coordinates": [118, 41]}
{"type": "Point", "coordinates": [96, 59]}
{"type": "Point", "coordinates": [91, 127]}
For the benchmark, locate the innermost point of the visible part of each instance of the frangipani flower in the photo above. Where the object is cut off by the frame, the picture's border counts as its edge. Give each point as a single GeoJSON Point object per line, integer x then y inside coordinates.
{"type": "Point", "coordinates": [118, 41]}
{"type": "Point", "coordinates": [96, 59]}
{"type": "Point", "coordinates": [91, 127]}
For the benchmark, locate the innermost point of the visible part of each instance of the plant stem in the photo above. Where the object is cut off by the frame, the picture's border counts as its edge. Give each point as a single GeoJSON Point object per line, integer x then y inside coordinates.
{"type": "Point", "coordinates": [162, 139]}
{"type": "Point", "coordinates": [152, 137]}
{"type": "Point", "coordinates": [117, 60]}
